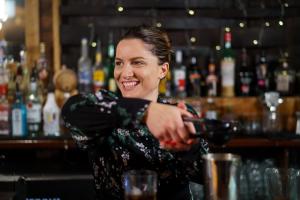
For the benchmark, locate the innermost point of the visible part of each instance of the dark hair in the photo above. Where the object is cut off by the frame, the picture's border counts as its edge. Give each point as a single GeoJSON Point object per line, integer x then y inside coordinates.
{"type": "Point", "coordinates": [157, 38]}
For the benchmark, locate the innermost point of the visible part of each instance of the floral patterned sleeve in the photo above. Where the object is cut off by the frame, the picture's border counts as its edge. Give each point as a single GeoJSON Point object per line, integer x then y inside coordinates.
{"type": "Point", "coordinates": [91, 116]}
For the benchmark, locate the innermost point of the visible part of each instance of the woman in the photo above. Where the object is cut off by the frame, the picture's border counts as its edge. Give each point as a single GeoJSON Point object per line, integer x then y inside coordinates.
{"type": "Point", "coordinates": [137, 130]}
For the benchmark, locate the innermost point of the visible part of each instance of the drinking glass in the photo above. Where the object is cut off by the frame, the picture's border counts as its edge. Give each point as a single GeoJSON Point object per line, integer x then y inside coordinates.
{"type": "Point", "coordinates": [140, 185]}
{"type": "Point", "coordinates": [283, 184]}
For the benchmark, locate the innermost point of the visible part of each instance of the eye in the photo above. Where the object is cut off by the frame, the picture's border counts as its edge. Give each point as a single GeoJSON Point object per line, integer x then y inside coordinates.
{"type": "Point", "coordinates": [138, 63]}
{"type": "Point", "coordinates": [118, 63]}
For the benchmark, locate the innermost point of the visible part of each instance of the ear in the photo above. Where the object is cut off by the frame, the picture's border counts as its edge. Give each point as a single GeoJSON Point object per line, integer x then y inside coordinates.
{"type": "Point", "coordinates": [164, 68]}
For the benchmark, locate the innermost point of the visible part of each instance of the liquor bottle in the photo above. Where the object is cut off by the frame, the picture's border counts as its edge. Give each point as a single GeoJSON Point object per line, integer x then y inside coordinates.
{"type": "Point", "coordinates": [98, 69]}
{"type": "Point", "coordinates": [194, 78]}
{"type": "Point", "coordinates": [165, 85]}
{"type": "Point", "coordinates": [112, 85]}
{"type": "Point", "coordinates": [217, 132]}
{"type": "Point", "coordinates": [34, 106]}
{"type": "Point", "coordinates": [4, 112]}
{"type": "Point", "coordinates": [51, 114]}
{"type": "Point", "coordinates": [285, 78]}
{"type": "Point", "coordinates": [262, 79]}
{"type": "Point", "coordinates": [212, 79]}
{"type": "Point", "coordinates": [245, 76]}
{"type": "Point", "coordinates": [24, 83]}
{"type": "Point", "coordinates": [211, 111]}
{"type": "Point", "coordinates": [19, 115]}
{"type": "Point", "coordinates": [84, 69]}
{"type": "Point", "coordinates": [179, 76]}
{"type": "Point", "coordinates": [227, 68]}
{"type": "Point", "coordinates": [42, 64]}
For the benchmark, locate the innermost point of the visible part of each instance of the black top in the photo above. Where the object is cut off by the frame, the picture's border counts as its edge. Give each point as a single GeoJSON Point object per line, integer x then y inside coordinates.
{"type": "Point", "coordinates": [111, 129]}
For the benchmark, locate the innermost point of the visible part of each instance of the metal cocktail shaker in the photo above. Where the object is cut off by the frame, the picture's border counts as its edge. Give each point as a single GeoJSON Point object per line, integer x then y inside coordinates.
{"type": "Point", "coordinates": [221, 175]}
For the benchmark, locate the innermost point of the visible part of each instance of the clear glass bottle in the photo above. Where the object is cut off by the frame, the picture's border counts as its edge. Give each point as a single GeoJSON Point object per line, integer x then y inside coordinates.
{"type": "Point", "coordinates": [179, 76]}
{"type": "Point", "coordinates": [84, 69]}
{"type": "Point", "coordinates": [51, 115]}
{"type": "Point", "coordinates": [4, 112]}
{"type": "Point", "coordinates": [19, 115]}
{"type": "Point", "coordinates": [34, 107]}
{"type": "Point", "coordinates": [262, 79]}
{"type": "Point", "coordinates": [98, 69]}
{"type": "Point", "coordinates": [228, 67]}
{"type": "Point", "coordinates": [212, 79]}
{"type": "Point", "coordinates": [285, 78]}
{"type": "Point", "coordinates": [112, 85]}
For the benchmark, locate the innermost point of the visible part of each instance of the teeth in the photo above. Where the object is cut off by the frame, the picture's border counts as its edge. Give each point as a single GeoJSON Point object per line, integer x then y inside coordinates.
{"type": "Point", "coordinates": [130, 84]}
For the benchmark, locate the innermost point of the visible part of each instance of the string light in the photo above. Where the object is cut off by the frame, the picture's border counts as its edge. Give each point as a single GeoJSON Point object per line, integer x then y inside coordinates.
{"type": "Point", "coordinates": [255, 42]}
{"type": "Point", "coordinates": [120, 8]}
{"type": "Point", "coordinates": [227, 29]}
{"type": "Point", "coordinates": [267, 24]}
{"type": "Point", "coordinates": [193, 39]}
{"type": "Point", "coordinates": [280, 22]}
{"type": "Point", "coordinates": [242, 24]}
{"type": "Point", "coordinates": [218, 47]}
{"type": "Point", "coordinates": [94, 44]}
{"type": "Point", "coordinates": [158, 24]}
{"type": "Point", "coordinates": [286, 4]}
{"type": "Point", "coordinates": [191, 12]}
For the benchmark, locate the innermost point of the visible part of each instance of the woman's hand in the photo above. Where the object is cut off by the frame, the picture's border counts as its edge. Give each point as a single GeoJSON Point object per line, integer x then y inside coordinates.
{"type": "Point", "coordinates": [166, 124]}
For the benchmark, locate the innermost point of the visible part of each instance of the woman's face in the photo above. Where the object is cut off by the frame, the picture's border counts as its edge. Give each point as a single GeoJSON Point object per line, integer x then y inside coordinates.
{"type": "Point", "coordinates": [137, 72]}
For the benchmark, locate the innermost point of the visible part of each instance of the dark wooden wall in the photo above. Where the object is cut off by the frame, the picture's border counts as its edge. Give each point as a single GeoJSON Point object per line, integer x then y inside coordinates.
{"type": "Point", "coordinates": [211, 16]}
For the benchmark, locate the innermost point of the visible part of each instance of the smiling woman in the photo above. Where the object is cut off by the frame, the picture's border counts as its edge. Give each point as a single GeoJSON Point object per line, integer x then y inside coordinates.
{"type": "Point", "coordinates": [137, 130]}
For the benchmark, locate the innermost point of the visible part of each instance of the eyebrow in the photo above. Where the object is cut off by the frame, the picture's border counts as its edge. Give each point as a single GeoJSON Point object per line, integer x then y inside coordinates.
{"type": "Point", "coordinates": [134, 58]}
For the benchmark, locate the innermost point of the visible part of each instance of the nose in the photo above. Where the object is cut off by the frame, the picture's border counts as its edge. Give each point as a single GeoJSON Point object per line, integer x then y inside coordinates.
{"type": "Point", "coordinates": [127, 70]}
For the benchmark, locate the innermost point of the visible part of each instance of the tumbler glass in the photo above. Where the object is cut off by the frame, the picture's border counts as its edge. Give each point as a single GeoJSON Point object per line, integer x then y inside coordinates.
{"type": "Point", "coordinates": [140, 185]}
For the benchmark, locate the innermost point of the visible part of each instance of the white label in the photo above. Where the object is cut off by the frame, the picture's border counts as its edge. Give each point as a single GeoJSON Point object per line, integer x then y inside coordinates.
{"type": "Point", "coordinates": [4, 115]}
{"type": "Point", "coordinates": [283, 83]}
{"type": "Point", "coordinates": [179, 75]}
{"type": "Point", "coordinates": [34, 112]}
{"type": "Point", "coordinates": [211, 114]}
{"type": "Point", "coordinates": [17, 122]}
{"type": "Point", "coordinates": [227, 72]}
{"type": "Point", "coordinates": [51, 123]}
{"type": "Point", "coordinates": [298, 127]}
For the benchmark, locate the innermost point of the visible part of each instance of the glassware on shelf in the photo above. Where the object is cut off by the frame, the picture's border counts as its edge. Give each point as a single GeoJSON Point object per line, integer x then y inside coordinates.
{"type": "Point", "coordinates": [272, 120]}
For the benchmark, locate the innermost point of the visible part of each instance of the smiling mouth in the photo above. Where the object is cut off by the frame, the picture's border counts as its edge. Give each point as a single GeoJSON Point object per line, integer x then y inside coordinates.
{"type": "Point", "coordinates": [129, 85]}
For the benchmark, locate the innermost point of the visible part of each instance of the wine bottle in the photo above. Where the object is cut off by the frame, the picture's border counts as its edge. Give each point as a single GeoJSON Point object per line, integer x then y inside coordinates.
{"type": "Point", "coordinates": [98, 69]}
{"type": "Point", "coordinates": [217, 132]}
{"type": "Point", "coordinates": [245, 76]}
{"type": "Point", "coordinates": [179, 76]}
{"type": "Point", "coordinates": [212, 79]}
{"type": "Point", "coordinates": [227, 68]}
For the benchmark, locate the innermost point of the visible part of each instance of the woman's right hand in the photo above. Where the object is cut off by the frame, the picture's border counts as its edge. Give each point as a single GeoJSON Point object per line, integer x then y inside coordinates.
{"type": "Point", "coordinates": [166, 124]}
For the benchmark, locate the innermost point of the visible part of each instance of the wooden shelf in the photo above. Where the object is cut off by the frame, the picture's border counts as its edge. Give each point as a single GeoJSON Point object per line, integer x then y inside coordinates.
{"type": "Point", "coordinates": [67, 143]}
{"type": "Point", "coordinates": [45, 143]}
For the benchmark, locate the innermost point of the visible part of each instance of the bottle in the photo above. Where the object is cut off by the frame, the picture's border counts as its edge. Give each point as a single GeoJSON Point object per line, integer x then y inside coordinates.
{"type": "Point", "coordinates": [217, 132]}
{"type": "Point", "coordinates": [42, 64]}
{"type": "Point", "coordinates": [19, 115]}
{"type": "Point", "coordinates": [194, 78]}
{"type": "Point", "coordinates": [84, 69]}
{"type": "Point", "coordinates": [212, 79]}
{"type": "Point", "coordinates": [98, 69]}
{"type": "Point", "coordinates": [262, 80]}
{"type": "Point", "coordinates": [4, 112]}
{"type": "Point", "coordinates": [34, 106]}
{"type": "Point", "coordinates": [112, 85]}
{"type": "Point", "coordinates": [51, 114]}
{"type": "Point", "coordinates": [179, 76]}
{"type": "Point", "coordinates": [25, 72]}
{"type": "Point", "coordinates": [165, 85]}
{"type": "Point", "coordinates": [245, 76]}
{"type": "Point", "coordinates": [285, 78]}
{"type": "Point", "coordinates": [211, 109]}
{"type": "Point", "coordinates": [227, 68]}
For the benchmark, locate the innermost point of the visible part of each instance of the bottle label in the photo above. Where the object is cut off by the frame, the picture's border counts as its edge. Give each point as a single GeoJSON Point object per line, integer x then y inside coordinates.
{"type": "Point", "coordinates": [282, 83]}
{"type": "Point", "coordinates": [51, 123]}
{"type": "Point", "coordinates": [112, 85]}
{"type": "Point", "coordinates": [211, 114]}
{"type": "Point", "coordinates": [4, 123]}
{"type": "Point", "coordinates": [98, 77]}
{"type": "Point", "coordinates": [212, 88]}
{"type": "Point", "coordinates": [34, 113]}
{"type": "Point", "coordinates": [227, 72]}
{"type": "Point", "coordinates": [85, 76]}
{"type": "Point", "coordinates": [17, 122]}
